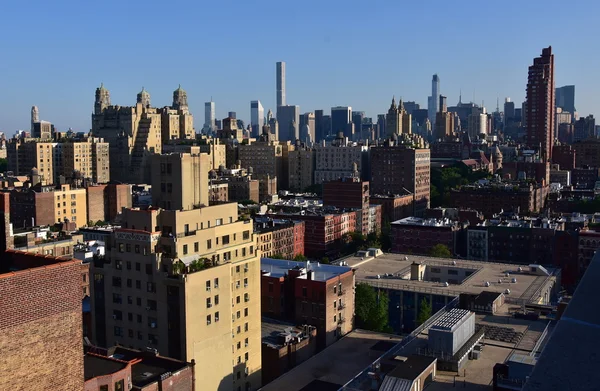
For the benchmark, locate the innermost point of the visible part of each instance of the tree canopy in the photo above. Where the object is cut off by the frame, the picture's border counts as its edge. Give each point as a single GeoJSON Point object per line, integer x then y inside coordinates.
{"type": "Point", "coordinates": [425, 312]}
{"type": "Point", "coordinates": [440, 251]}
{"type": "Point", "coordinates": [371, 309]}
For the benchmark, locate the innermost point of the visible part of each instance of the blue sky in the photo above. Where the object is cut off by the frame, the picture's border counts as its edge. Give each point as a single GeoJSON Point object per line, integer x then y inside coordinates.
{"type": "Point", "coordinates": [356, 53]}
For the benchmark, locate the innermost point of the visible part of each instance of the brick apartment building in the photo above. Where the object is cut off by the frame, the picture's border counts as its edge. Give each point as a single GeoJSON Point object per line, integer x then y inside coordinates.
{"type": "Point", "coordinates": [491, 199]}
{"type": "Point", "coordinates": [105, 202]}
{"type": "Point", "coordinates": [309, 293]}
{"type": "Point", "coordinates": [413, 235]}
{"type": "Point", "coordinates": [564, 155]}
{"type": "Point", "coordinates": [394, 207]}
{"type": "Point", "coordinates": [352, 193]}
{"type": "Point", "coordinates": [40, 322]}
{"type": "Point", "coordinates": [587, 153]}
{"type": "Point", "coordinates": [398, 170]}
{"type": "Point", "coordinates": [324, 230]}
{"type": "Point", "coordinates": [120, 368]}
{"type": "Point", "coordinates": [279, 237]}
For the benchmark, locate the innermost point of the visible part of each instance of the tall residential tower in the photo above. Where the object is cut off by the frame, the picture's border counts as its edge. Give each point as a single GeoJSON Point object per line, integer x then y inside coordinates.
{"type": "Point", "coordinates": [280, 84]}
{"type": "Point", "coordinates": [209, 116]}
{"type": "Point", "coordinates": [257, 117]}
{"type": "Point", "coordinates": [434, 99]}
{"type": "Point", "coordinates": [540, 108]}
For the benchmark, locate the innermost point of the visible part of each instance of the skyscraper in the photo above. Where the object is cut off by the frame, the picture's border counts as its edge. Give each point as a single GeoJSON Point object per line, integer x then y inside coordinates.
{"type": "Point", "coordinates": [209, 116]}
{"type": "Point", "coordinates": [540, 106]}
{"type": "Point", "coordinates": [509, 111]}
{"type": "Point", "coordinates": [232, 114]}
{"type": "Point", "coordinates": [307, 119]}
{"type": "Point", "coordinates": [434, 99]}
{"type": "Point", "coordinates": [565, 98]}
{"type": "Point", "coordinates": [143, 97]}
{"type": "Point", "coordinates": [357, 119]}
{"type": "Point", "coordinates": [280, 84]}
{"type": "Point", "coordinates": [288, 118]}
{"type": "Point", "coordinates": [35, 116]}
{"type": "Point", "coordinates": [341, 117]}
{"type": "Point", "coordinates": [257, 117]}
{"type": "Point", "coordinates": [319, 134]}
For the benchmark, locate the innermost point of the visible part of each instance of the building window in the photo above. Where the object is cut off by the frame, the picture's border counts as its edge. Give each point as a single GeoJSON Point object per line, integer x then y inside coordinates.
{"type": "Point", "coordinates": [435, 270]}
{"type": "Point", "coordinates": [128, 265]}
{"type": "Point", "coordinates": [138, 266]}
{"type": "Point", "coordinates": [216, 282]}
{"type": "Point", "coordinates": [137, 248]}
{"type": "Point", "coordinates": [148, 268]}
{"type": "Point", "coordinates": [116, 282]}
{"type": "Point", "coordinates": [238, 315]}
{"type": "Point", "coordinates": [208, 302]}
{"type": "Point", "coordinates": [452, 272]}
{"type": "Point", "coordinates": [140, 335]}
{"type": "Point", "coordinates": [208, 285]}
{"type": "Point", "coordinates": [246, 297]}
{"type": "Point", "coordinates": [217, 316]}
{"type": "Point", "coordinates": [129, 283]}
{"type": "Point", "coordinates": [138, 284]}
{"type": "Point", "coordinates": [138, 301]}
{"type": "Point", "coordinates": [151, 305]}
{"type": "Point", "coordinates": [118, 264]}
{"type": "Point", "coordinates": [304, 291]}
{"type": "Point", "coordinates": [209, 244]}
{"type": "Point", "coordinates": [196, 247]}
{"type": "Point", "coordinates": [117, 298]}
{"type": "Point", "coordinates": [216, 299]}
{"type": "Point", "coordinates": [225, 239]}
{"type": "Point", "coordinates": [208, 319]}
{"type": "Point", "coordinates": [245, 312]}
{"type": "Point", "coordinates": [118, 331]}
{"type": "Point", "coordinates": [239, 345]}
{"type": "Point", "coordinates": [246, 326]}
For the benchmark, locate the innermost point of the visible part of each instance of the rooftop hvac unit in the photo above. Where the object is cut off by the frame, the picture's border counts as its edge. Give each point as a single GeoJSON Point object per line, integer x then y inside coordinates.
{"type": "Point", "coordinates": [514, 280]}
{"type": "Point", "coordinates": [446, 284]}
{"type": "Point", "coordinates": [487, 283]}
{"type": "Point", "coordinates": [520, 269]}
{"type": "Point", "coordinates": [507, 274]}
{"type": "Point", "coordinates": [499, 281]}
{"type": "Point", "coordinates": [507, 292]}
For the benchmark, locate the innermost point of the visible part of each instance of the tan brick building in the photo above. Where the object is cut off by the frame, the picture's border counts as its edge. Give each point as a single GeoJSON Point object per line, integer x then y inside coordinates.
{"type": "Point", "coordinates": [87, 159]}
{"type": "Point", "coordinates": [301, 168]}
{"type": "Point", "coordinates": [41, 336]}
{"type": "Point", "coordinates": [187, 283]}
{"type": "Point", "coordinates": [180, 180]}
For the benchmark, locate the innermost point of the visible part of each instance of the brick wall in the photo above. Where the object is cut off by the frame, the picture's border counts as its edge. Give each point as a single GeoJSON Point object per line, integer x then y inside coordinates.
{"type": "Point", "coordinates": [179, 381]}
{"type": "Point", "coordinates": [40, 328]}
{"type": "Point", "coordinates": [96, 203]}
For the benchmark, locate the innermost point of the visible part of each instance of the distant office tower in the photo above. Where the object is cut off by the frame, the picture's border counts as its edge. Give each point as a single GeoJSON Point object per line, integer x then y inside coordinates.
{"type": "Point", "coordinates": [319, 133]}
{"type": "Point", "coordinates": [585, 127]}
{"type": "Point", "coordinates": [326, 125]}
{"type": "Point", "coordinates": [232, 114]}
{"type": "Point", "coordinates": [443, 106]}
{"type": "Point", "coordinates": [35, 116]}
{"type": "Point", "coordinates": [288, 118]}
{"type": "Point", "coordinates": [565, 98]}
{"type": "Point", "coordinates": [381, 132]}
{"type": "Point", "coordinates": [477, 123]}
{"type": "Point", "coordinates": [434, 99]}
{"type": "Point", "coordinates": [209, 116]}
{"type": "Point", "coordinates": [393, 123]}
{"type": "Point", "coordinates": [540, 104]}
{"type": "Point", "coordinates": [509, 111]}
{"type": "Point", "coordinates": [257, 117]}
{"type": "Point", "coordinates": [341, 117]}
{"type": "Point", "coordinates": [444, 125]}
{"type": "Point", "coordinates": [280, 84]}
{"type": "Point", "coordinates": [274, 127]}
{"type": "Point", "coordinates": [357, 119]}
{"type": "Point", "coordinates": [411, 106]}
{"type": "Point", "coordinates": [307, 134]}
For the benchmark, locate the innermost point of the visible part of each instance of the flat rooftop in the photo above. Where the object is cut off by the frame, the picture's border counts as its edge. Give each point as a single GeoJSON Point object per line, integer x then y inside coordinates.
{"type": "Point", "coordinates": [337, 364]}
{"type": "Point", "coordinates": [432, 222]}
{"type": "Point", "coordinates": [95, 366]}
{"type": "Point", "coordinates": [321, 272]}
{"type": "Point", "coordinates": [394, 273]}
{"type": "Point", "coordinates": [271, 329]}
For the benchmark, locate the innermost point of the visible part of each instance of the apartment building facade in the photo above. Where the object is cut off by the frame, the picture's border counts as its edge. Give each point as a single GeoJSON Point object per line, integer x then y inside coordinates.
{"type": "Point", "coordinates": [186, 283]}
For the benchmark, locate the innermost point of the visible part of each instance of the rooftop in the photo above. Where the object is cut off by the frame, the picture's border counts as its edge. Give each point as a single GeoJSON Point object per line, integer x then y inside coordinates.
{"type": "Point", "coordinates": [393, 271]}
{"type": "Point", "coordinates": [337, 364]}
{"type": "Point", "coordinates": [425, 222]}
{"type": "Point", "coordinates": [412, 367]}
{"type": "Point", "coordinates": [280, 267]}
{"type": "Point", "coordinates": [96, 365]}
{"type": "Point", "coordinates": [450, 320]}
{"type": "Point", "coordinates": [272, 329]}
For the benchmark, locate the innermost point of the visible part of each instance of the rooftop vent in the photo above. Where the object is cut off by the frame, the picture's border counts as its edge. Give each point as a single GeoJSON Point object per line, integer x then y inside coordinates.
{"type": "Point", "coordinates": [507, 292]}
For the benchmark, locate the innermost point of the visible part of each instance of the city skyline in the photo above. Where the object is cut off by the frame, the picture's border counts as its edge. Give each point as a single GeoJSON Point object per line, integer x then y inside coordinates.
{"type": "Point", "coordinates": [63, 80]}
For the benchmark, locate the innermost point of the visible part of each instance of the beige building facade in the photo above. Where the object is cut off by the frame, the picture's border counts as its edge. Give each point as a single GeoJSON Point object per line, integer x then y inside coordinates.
{"type": "Point", "coordinates": [180, 180]}
{"type": "Point", "coordinates": [71, 205]}
{"type": "Point", "coordinates": [89, 158]}
{"type": "Point", "coordinates": [186, 283]}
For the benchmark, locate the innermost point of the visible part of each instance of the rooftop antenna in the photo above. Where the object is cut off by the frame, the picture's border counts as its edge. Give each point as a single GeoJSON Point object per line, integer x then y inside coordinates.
{"type": "Point", "coordinates": [460, 96]}
{"type": "Point", "coordinates": [497, 105]}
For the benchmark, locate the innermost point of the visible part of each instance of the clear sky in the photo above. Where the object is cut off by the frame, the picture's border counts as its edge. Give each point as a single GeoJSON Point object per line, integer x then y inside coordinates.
{"type": "Point", "coordinates": [54, 54]}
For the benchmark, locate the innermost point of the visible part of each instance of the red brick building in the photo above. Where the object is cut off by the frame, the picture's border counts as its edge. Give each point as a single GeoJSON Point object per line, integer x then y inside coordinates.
{"type": "Point", "coordinates": [538, 171]}
{"type": "Point", "coordinates": [29, 208]}
{"type": "Point", "coordinates": [279, 237]}
{"type": "Point", "coordinates": [324, 231]}
{"type": "Point", "coordinates": [394, 207]}
{"type": "Point", "coordinates": [6, 238]}
{"type": "Point", "coordinates": [398, 169]}
{"type": "Point", "coordinates": [40, 323]}
{"type": "Point", "coordinates": [349, 193]}
{"type": "Point", "coordinates": [564, 156]}
{"type": "Point", "coordinates": [414, 235]}
{"type": "Point", "coordinates": [309, 293]}
{"type": "Point", "coordinates": [120, 369]}
{"type": "Point", "coordinates": [492, 199]}
{"type": "Point", "coordinates": [105, 202]}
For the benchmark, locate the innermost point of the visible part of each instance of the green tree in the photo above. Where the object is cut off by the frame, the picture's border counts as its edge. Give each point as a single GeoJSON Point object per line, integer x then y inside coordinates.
{"type": "Point", "coordinates": [300, 258]}
{"type": "Point", "coordinates": [425, 312]}
{"type": "Point", "coordinates": [371, 308]}
{"type": "Point", "coordinates": [440, 251]}
{"type": "Point", "coordinates": [325, 260]}
{"type": "Point", "coordinates": [277, 256]}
